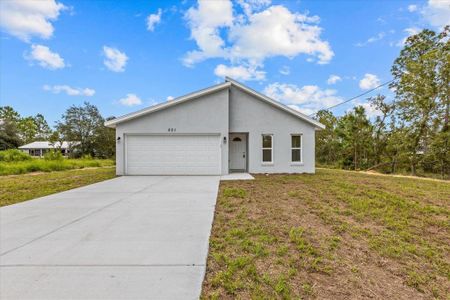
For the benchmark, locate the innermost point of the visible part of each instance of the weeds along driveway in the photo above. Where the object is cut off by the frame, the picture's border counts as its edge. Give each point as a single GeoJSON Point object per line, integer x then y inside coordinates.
{"type": "Point", "coordinates": [129, 237]}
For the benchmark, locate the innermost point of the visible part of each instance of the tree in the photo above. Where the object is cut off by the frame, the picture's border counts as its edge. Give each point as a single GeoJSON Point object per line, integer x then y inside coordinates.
{"type": "Point", "coordinates": [9, 133]}
{"type": "Point", "coordinates": [27, 129]}
{"type": "Point", "coordinates": [85, 125]}
{"type": "Point", "coordinates": [8, 113]}
{"type": "Point", "coordinates": [105, 144]}
{"type": "Point", "coordinates": [355, 133]}
{"type": "Point", "coordinates": [43, 131]}
{"type": "Point", "coordinates": [421, 83]}
{"type": "Point", "coordinates": [327, 143]}
{"type": "Point", "coordinates": [380, 136]}
{"type": "Point", "coordinates": [9, 136]}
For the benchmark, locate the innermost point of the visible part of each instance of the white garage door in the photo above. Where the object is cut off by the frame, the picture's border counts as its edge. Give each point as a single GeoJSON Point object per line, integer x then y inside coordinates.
{"type": "Point", "coordinates": [173, 155]}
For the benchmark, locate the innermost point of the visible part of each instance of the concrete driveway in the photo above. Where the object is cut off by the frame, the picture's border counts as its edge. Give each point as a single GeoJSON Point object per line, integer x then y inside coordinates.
{"type": "Point", "coordinates": [136, 237]}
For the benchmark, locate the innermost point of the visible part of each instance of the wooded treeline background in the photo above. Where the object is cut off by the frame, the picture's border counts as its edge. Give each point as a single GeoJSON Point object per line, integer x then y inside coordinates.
{"type": "Point", "coordinates": [412, 132]}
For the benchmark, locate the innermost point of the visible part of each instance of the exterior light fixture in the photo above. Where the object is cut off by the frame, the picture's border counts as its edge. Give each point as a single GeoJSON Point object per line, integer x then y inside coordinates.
{"type": "Point", "coordinates": [118, 139]}
{"type": "Point", "coordinates": [224, 139]}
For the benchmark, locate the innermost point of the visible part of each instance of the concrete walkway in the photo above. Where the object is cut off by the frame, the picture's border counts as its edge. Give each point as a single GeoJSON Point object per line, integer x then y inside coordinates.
{"type": "Point", "coordinates": [136, 237]}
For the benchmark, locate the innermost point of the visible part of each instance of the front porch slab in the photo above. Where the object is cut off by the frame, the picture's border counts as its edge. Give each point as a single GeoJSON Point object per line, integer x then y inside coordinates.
{"type": "Point", "coordinates": [237, 176]}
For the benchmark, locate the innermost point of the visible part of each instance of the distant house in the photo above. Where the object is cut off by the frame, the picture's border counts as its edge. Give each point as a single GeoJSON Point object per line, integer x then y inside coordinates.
{"type": "Point", "coordinates": [42, 147]}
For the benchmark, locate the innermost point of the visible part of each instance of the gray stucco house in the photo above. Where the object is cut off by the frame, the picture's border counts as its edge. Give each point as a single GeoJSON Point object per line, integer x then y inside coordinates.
{"type": "Point", "coordinates": [215, 131]}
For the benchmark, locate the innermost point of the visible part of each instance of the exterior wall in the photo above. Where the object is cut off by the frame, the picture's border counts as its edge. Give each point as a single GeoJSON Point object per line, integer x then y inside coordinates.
{"type": "Point", "coordinates": [248, 114]}
{"type": "Point", "coordinates": [205, 115]}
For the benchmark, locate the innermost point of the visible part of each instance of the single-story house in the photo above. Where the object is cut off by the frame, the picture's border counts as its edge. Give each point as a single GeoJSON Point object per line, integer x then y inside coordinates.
{"type": "Point", "coordinates": [221, 129]}
{"type": "Point", "coordinates": [42, 147]}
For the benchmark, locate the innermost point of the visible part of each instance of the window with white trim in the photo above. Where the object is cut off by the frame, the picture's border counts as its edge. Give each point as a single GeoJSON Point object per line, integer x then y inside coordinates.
{"type": "Point", "coordinates": [267, 148]}
{"type": "Point", "coordinates": [296, 148]}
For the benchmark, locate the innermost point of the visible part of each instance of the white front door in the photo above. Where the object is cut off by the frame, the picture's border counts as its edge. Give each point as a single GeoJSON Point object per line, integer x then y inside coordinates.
{"type": "Point", "coordinates": [238, 151]}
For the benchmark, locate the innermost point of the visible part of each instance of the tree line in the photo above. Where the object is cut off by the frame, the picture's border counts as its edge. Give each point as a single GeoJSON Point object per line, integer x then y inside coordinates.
{"type": "Point", "coordinates": [82, 124]}
{"type": "Point", "coordinates": [411, 133]}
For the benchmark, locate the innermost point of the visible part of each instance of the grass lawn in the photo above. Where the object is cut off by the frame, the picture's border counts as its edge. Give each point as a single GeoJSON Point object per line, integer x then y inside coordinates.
{"type": "Point", "coordinates": [42, 165]}
{"type": "Point", "coordinates": [332, 235]}
{"type": "Point", "coordinates": [18, 188]}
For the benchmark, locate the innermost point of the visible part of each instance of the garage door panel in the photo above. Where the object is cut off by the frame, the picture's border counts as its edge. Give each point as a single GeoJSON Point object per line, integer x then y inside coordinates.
{"type": "Point", "coordinates": [173, 155]}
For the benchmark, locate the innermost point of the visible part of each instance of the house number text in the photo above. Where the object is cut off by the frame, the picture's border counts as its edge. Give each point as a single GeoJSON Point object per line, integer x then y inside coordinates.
{"type": "Point", "coordinates": [171, 129]}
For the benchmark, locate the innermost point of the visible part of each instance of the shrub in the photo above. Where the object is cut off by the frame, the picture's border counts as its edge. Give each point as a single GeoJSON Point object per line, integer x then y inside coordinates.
{"type": "Point", "coordinates": [13, 155]}
{"type": "Point", "coordinates": [53, 155]}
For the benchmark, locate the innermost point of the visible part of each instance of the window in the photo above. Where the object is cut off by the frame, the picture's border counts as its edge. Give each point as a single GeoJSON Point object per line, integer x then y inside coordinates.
{"type": "Point", "coordinates": [296, 148]}
{"type": "Point", "coordinates": [267, 153]}
{"type": "Point", "coordinates": [237, 139]}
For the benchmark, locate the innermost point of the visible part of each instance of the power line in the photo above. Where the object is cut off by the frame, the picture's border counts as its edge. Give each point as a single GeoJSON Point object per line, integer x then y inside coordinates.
{"type": "Point", "coordinates": [360, 95]}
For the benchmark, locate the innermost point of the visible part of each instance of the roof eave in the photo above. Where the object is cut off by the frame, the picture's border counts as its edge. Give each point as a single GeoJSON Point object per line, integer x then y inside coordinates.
{"type": "Point", "coordinates": [112, 123]}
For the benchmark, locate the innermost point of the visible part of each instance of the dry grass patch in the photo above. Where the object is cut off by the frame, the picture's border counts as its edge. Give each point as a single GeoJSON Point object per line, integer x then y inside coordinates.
{"type": "Point", "coordinates": [330, 235]}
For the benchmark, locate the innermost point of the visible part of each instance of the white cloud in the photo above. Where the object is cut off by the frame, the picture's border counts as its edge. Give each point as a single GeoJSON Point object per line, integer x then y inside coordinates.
{"type": "Point", "coordinates": [437, 13]}
{"type": "Point", "coordinates": [130, 100]}
{"type": "Point", "coordinates": [409, 32]}
{"type": "Point", "coordinates": [205, 22]}
{"type": "Point", "coordinates": [278, 32]}
{"type": "Point", "coordinates": [115, 60]}
{"type": "Point", "coordinates": [371, 40]}
{"type": "Point", "coordinates": [412, 8]}
{"type": "Point", "coordinates": [412, 30]}
{"type": "Point", "coordinates": [26, 18]}
{"type": "Point", "coordinates": [45, 57]}
{"type": "Point", "coordinates": [333, 79]}
{"type": "Point", "coordinates": [369, 81]}
{"type": "Point", "coordinates": [153, 20]}
{"type": "Point", "coordinates": [71, 91]}
{"type": "Point", "coordinates": [170, 98]}
{"type": "Point", "coordinates": [260, 33]}
{"type": "Point", "coordinates": [240, 72]}
{"type": "Point", "coordinates": [307, 99]}
{"type": "Point", "coordinates": [285, 70]}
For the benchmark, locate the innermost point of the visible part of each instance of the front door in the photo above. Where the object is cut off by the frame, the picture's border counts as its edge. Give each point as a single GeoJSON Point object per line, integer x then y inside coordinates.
{"type": "Point", "coordinates": [238, 152]}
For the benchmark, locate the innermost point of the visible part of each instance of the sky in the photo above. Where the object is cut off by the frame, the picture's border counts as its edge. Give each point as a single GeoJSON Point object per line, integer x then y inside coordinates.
{"type": "Point", "coordinates": [127, 55]}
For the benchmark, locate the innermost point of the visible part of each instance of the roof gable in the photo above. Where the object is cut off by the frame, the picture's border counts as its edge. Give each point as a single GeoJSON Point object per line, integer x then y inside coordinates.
{"type": "Point", "coordinates": [228, 82]}
{"type": "Point", "coordinates": [275, 103]}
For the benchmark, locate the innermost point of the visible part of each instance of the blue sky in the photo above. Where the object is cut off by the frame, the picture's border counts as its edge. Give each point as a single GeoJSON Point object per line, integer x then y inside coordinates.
{"type": "Point", "coordinates": [126, 55]}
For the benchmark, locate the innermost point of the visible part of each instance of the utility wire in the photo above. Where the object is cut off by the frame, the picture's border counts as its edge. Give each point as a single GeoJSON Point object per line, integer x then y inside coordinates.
{"type": "Point", "coordinates": [353, 98]}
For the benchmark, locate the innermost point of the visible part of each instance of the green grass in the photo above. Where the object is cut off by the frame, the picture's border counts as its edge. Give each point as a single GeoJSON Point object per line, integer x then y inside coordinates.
{"type": "Point", "coordinates": [18, 188]}
{"type": "Point", "coordinates": [42, 165]}
{"type": "Point", "coordinates": [336, 234]}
